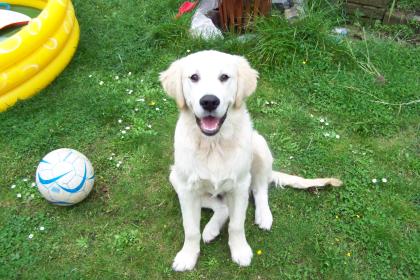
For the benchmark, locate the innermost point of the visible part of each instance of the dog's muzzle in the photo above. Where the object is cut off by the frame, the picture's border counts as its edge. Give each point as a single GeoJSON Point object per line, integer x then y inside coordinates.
{"type": "Point", "coordinates": [210, 125]}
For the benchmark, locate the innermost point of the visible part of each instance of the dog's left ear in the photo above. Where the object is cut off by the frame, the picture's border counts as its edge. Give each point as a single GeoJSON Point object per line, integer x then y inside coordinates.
{"type": "Point", "coordinates": [171, 80]}
{"type": "Point", "coordinates": [247, 80]}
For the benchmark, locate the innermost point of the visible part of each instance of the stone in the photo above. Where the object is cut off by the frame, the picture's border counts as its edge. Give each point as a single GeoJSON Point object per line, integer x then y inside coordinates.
{"type": "Point", "coordinates": [374, 3]}
{"type": "Point", "coordinates": [366, 11]}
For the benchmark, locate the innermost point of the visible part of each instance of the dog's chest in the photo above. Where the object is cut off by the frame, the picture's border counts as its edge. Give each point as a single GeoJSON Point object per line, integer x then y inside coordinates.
{"type": "Point", "coordinates": [216, 170]}
{"type": "Point", "coordinates": [214, 188]}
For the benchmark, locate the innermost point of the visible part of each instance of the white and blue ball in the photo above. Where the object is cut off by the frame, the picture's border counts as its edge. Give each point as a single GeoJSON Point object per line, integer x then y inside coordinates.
{"type": "Point", "coordinates": [65, 177]}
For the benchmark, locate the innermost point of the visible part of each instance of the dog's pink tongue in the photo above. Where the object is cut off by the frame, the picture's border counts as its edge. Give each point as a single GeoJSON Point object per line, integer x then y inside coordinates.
{"type": "Point", "coordinates": [209, 123]}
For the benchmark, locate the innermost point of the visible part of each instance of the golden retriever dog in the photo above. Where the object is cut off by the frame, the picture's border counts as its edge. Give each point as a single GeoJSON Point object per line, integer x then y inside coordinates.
{"type": "Point", "coordinates": [219, 157]}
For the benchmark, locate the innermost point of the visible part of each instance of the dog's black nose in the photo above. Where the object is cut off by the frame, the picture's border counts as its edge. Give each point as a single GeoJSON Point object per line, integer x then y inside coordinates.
{"type": "Point", "coordinates": [209, 102]}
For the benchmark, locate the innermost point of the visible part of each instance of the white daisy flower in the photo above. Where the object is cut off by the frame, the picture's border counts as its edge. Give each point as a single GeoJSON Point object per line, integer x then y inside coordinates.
{"type": "Point", "coordinates": [119, 162]}
{"type": "Point", "coordinates": [127, 128]}
{"type": "Point", "coordinates": [136, 109]}
{"type": "Point", "coordinates": [188, 51]}
{"type": "Point", "coordinates": [123, 131]}
{"type": "Point", "coordinates": [311, 115]}
{"type": "Point", "coordinates": [120, 121]}
{"type": "Point", "coordinates": [326, 134]}
{"type": "Point", "coordinates": [101, 83]}
{"type": "Point", "coordinates": [117, 78]}
{"type": "Point", "coordinates": [129, 73]}
{"type": "Point", "coordinates": [327, 123]}
{"type": "Point", "coordinates": [384, 180]}
{"type": "Point", "coordinates": [337, 136]}
{"type": "Point", "coordinates": [374, 181]}
{"type": "Point", "coordinates": [149, 126]}
{"type": "Point", "coordinates": [19, 195]}
{"type": "Point", "coordinates": [141, 81]}
{"type": "Point", "coordinates": [90, 76]}
{"type": "Point", "coordinates": [31, 236]}
{"type": "Point", "coordinates": [41, 228]}
{"type": "Point", "coordinates": [157, 109]}
{"type": "Point", "coordinates": [110, 158]}
{"type": "Point", "coordinates": [140, 99]}
{"type": "Point", "coordinates": [33, 184]}
{"type": "Point", "coordinates": [321, 120]}
{"type": "Point", "coordinates": [164, 99]}
{"type": "Point", "coordinates": [113, 154]}
{"type": "Point", "coordinates": [291, 157]}
{"type": "Point", "coordinates": [13, 186]}
{"type": "Point", "coordinates": [130, 91]}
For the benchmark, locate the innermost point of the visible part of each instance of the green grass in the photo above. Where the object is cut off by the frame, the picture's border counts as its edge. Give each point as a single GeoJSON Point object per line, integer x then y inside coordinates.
{"type": "Point", "coordinates": [411, 5]}
{"type": "Point", "coordinates": [130, 226]}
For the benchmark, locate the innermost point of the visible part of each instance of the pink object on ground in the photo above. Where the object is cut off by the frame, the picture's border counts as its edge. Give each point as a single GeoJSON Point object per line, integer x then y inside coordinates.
{"type": "Point", "coordinates": [186, 7]}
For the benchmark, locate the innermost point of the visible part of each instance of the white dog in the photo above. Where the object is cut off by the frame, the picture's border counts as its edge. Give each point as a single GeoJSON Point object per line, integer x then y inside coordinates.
{"type": "Point", "coordinates": [219, 157]}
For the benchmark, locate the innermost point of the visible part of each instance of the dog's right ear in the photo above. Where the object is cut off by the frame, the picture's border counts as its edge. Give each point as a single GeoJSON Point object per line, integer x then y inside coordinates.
{"type": "Point", "coordinates": [171, 80]}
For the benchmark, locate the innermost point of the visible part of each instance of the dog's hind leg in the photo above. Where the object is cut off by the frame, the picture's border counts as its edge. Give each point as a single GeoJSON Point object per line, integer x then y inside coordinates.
{"type": "Point", "coordinates": [261, 174]}
{"type": "Point", "coordinates": [263, 216]}
{"type": "Point", "coordinates": [219, 218]}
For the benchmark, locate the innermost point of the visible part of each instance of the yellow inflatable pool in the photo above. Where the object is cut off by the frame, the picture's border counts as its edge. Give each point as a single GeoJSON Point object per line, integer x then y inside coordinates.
{"type": "Point", "coordinates": [36, 55]}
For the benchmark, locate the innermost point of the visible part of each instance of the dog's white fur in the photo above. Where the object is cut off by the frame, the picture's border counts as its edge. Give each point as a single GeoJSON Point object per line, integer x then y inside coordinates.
{"type": "Point", "coordinates": [231, 163]}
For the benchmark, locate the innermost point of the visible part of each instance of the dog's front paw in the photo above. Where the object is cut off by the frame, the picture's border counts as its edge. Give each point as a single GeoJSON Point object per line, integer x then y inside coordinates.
{"type": "Point", "coordinates": [264, 219]}
{"type": "Point", "coordinates": [185, 260]}
{"type": "Point", "coordinates": [242, 255]}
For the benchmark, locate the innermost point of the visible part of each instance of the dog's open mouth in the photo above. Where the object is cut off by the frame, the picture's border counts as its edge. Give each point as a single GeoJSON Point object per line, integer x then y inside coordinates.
{"type": "Point", "coordinates": [210, 125]}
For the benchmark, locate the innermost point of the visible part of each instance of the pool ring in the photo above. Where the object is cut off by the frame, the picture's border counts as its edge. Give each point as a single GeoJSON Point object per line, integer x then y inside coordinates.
{"type": "Point", "coordinates": [38, 53]}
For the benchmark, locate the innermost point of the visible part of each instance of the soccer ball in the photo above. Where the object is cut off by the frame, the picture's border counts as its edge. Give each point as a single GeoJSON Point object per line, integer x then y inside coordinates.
{"type": "Point", "coordinates": [65, 177]}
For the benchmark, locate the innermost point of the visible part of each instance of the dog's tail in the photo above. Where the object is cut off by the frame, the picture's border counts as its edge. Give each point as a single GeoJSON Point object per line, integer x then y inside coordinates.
{"type": "Point", "coordinates": [282, 179]}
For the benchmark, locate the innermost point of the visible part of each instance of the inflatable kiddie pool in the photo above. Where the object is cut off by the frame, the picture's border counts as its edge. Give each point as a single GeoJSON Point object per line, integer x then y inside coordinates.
{"type": "Point", "coordinates": [34, 56]}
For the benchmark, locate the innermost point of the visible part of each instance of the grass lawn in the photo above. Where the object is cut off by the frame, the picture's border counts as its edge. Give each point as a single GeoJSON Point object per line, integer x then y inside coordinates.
{"type": "Point", "coordinates": [327, 107]}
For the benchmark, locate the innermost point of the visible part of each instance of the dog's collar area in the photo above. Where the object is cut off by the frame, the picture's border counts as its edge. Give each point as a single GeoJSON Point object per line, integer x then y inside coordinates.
{"type": "Point", "coordinates": [210, 121]}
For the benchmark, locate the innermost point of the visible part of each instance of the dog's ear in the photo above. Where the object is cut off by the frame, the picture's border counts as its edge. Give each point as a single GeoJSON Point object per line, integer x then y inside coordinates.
{"type": "Point", "coordinates": [171, 80]}
{"type": "Point", "coordinates": [247, 81]}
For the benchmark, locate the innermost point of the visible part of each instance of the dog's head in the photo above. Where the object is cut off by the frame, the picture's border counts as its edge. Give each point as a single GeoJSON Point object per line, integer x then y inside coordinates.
{"type": "Point", "coordinates": [209, 84]}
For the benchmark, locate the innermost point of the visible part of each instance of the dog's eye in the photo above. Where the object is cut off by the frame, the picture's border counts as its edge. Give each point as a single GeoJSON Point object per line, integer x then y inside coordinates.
{"type": "Point", "coordinates": [223, 77]}
{"type": "Point", "coordinates": [194, 78]}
